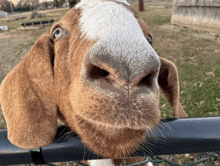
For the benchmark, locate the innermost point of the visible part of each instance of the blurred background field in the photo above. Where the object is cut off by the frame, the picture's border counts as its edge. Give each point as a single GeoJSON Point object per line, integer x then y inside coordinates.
{"type": "Point", "coordinates": [196, 54]}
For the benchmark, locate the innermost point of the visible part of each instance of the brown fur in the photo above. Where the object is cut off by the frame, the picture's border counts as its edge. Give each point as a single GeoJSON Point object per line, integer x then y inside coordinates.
{"type": "Point", "coordinates": [48, 83]}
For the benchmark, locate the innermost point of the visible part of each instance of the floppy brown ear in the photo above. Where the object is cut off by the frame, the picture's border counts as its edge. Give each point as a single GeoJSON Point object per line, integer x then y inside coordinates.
{"type": "Point", "coordinates": [27, 98]}
{"type": "Point", "coordinates": [169, 83]}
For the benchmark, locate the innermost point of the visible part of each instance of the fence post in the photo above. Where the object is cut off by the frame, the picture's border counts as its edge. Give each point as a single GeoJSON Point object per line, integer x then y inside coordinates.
{"type": "Point", "coordinates": [141, 5]}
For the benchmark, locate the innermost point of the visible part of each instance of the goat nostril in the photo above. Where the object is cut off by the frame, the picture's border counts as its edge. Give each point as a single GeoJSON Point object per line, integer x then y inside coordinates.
{"type": "Point", "coordinates": [147, 80]}
{"type": "Point", "coordinates": [97, 73]}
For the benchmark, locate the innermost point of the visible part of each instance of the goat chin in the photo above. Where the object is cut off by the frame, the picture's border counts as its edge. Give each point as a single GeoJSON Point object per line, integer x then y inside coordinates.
{"type": "Point", "coordinates": [108, 141]}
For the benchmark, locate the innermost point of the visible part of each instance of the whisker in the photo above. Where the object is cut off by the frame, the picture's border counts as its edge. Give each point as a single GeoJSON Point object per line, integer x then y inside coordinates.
{"type": "Point", "coordinates": [146, 148]}
{"type": "Point", "coordinates": [64, 136]}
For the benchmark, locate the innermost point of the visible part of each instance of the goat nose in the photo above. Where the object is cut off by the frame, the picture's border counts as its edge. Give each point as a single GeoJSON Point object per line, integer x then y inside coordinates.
{"type": "Point", "coordinates": [101, 67]}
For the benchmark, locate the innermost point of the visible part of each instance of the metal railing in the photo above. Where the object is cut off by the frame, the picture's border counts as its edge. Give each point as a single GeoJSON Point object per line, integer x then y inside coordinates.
{"type": "Point", "coordinates": [40, 22]}
{"type": "Point", "coordinates": [171, 136]}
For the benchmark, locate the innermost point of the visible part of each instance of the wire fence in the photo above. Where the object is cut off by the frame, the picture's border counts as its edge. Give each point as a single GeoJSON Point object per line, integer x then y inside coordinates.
{"type": "Point", "coordinates": [157, 160]}
{"type": "Point", "coordinates": [171, 136]}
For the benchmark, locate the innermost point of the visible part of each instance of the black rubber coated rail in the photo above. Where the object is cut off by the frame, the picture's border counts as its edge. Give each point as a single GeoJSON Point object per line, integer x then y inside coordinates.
{"type": "Point", "coordinates": [172, 136]}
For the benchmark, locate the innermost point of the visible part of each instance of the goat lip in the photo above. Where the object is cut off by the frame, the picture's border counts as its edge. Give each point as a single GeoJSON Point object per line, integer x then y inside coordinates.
{"type": "Point", "coordinates": [102, 124]}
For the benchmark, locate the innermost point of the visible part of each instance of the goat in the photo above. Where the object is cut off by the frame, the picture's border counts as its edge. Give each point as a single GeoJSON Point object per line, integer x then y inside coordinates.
{"type": "Point", "coordinates": [98, 73]}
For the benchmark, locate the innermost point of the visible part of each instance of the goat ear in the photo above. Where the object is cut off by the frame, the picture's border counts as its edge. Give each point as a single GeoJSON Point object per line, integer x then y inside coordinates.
{"type": "Point", "coordinates": [27, 98]}
{"type": "Point", "coordinates": [169, 83]}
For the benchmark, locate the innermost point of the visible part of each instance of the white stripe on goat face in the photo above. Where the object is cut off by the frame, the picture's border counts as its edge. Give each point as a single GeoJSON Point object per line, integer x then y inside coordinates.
{"type": "Point", "coordinates": [117, 31]}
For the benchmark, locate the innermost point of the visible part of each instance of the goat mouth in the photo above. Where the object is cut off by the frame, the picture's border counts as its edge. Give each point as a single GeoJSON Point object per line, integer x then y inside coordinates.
{"type": "Point", "coordinates": [105, 118]}
{"type": "Point", "coordinates": [116, 109]}
{"type": "Point", "coordinates": [123, 124]}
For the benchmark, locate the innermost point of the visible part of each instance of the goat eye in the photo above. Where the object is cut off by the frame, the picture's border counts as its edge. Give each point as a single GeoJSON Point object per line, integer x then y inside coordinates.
{"type": "Point", "coordinates": [57, 33]}
{"type": "Point", "coordinates": [149, 40]}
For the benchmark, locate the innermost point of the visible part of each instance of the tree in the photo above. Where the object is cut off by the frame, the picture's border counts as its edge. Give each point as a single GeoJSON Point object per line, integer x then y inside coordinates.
{"type": "Point", "coordinates": [141, 5]}
{"type": "Point", "coordinates": [55, 3]}
{"type": "Point", "coordinates": [32, 3]}
{"type": "Point", "coordinates": [72, 3]}
{"type": "Point", "coordinates": [5, 6]}
{"type": "Point", "coordinates": [2, 3]}
{"type": "Point", "coordinates": [26, 5]}
{"type": "Point", "coordinates": [61, 2]}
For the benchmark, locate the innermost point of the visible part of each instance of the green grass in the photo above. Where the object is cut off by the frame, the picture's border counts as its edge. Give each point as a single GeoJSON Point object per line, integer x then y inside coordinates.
{"type": "Point", "coordinates": [156, 16]}
{"type": "Point", "coordinates": [201, 91]}
{"type": "Point", "coordinates": [194, 58]}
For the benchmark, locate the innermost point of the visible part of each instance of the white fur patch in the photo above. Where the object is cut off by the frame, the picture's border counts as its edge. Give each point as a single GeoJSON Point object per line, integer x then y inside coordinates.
{"type": "Point", "coordinates": [150, 164]}
{"type": "Point", "coordinates": [104, 162]}
{"type": "Point", "coordinates": [104, 17]}
{"type": "Point", "coordinates": [118, 33]}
